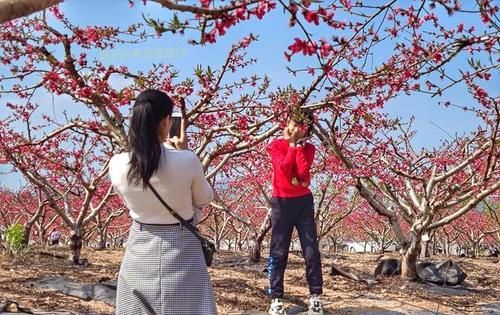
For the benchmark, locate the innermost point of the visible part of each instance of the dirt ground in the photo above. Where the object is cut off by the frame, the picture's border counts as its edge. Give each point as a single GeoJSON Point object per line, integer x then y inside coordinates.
{"type": "Point", "coordinates": [241, 287]}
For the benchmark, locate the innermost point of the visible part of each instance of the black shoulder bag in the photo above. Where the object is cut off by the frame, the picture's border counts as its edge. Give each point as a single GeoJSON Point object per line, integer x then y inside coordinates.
{"type": "Point", "coordinates": [207, 246]}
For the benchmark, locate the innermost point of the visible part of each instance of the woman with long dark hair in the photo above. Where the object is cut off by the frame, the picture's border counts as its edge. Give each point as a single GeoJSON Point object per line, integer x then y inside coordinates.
{"type": "Point", "coordinates": [163, 271]}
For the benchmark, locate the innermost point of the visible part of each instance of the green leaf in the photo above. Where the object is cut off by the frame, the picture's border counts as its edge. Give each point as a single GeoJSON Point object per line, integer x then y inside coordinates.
{"type": "Point", "coordinates": [198, 71]}
{"type": "Point", "coordinates": [176, 23]}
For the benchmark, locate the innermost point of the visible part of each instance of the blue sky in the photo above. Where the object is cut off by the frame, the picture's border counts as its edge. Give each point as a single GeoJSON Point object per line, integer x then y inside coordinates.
{"type": "Point", "coordinates": [274, 36]}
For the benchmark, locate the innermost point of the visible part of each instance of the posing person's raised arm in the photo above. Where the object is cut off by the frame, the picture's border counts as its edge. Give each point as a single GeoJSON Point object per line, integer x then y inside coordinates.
{"type": "Point", "coordinates": [283, 159]}
{"type": "Point", "coordinates": [304, 159]}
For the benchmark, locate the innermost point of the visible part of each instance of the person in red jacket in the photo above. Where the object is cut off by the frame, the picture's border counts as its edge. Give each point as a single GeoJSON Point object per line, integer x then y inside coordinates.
{"type": "Point", "coordinates": [293, 206]}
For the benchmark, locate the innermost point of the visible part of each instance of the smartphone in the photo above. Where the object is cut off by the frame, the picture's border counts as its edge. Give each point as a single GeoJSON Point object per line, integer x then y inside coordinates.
{"type": "Point", "coordinates": [303, 140]}
{"type": "Point", "coordinates": [175, 129]}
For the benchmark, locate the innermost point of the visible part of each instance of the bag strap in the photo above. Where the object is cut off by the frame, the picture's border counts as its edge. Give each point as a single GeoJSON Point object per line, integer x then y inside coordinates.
{"type": "Point", "coordinates": [188, 225]}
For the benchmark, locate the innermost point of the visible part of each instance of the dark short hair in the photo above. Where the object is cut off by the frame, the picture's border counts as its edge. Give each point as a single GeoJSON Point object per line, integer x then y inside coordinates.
{"type": "Point", "coordinates": [150, 108]}
{"type": "Point", "coordinates": [301, 116]}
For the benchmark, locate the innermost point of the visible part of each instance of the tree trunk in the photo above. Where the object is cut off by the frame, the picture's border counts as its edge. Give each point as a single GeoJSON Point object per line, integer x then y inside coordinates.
{"type": "Point", "coordinates": [410, 255]}
{"type": "Point", "coordinates": [26, 233]}
{"type": "Point", "coordinates": [255, 251]}
{"type": "Point", "coordinates": [474, 249]}
{"type": "Point", "coordinates": [424, 252]}
{"type": "Point", "coordinates": [450, 248]}
{"type": "Point", "coordinates": [42, 234]}
{"type": "Point", "coordinates": [217, 242]}
{"type": "Point", "coordinates": [76, 238]}
{"type": "Point", "coordinates": [102, 238]}
{"type": "Point", "coordinates": [382, 244]}
{"type": "Point", "coordinates": [329, 242]}
{"type": "Point", "coordinates": [434, 247]}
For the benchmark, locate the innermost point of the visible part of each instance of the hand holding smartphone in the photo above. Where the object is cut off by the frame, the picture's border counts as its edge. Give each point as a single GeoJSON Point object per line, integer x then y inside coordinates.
{"type": "Point", "coordinates": [177, 134]}
{"type": "Point", "coordinates": [302, 141]}
{"type": "Point", "coordinates": [175, 129]}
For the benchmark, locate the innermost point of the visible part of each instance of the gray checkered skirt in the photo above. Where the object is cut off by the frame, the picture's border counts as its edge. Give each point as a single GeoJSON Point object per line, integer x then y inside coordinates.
{"type": "Point", "coordinates": [163, 272]}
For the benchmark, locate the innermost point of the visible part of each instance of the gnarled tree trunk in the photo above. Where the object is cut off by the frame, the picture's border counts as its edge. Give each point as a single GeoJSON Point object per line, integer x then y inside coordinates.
{"type": "Point", "coordinates": [410, 256]}
{"type": "Point", "coordinates": [26, 233]}
{"type": "Point", "coordinates": [255, 251]}
{"type": "Point", "coordinates": [424, 252]}
{"type": "Point", "coordinates": [102, 232]}
{"type": "Point", "coordinates": [76, 242]}
{"type": "Point", "coordinates": [382, 245]}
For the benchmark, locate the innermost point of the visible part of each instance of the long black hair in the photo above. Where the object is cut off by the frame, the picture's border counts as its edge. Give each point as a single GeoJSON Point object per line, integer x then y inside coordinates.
{"type": "Point", "coordinates": [150, 108]}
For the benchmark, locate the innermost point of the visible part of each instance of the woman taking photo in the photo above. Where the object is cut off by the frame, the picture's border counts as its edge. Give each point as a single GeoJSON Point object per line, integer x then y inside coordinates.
{"type": "Point", "coordinates": [163, 270]}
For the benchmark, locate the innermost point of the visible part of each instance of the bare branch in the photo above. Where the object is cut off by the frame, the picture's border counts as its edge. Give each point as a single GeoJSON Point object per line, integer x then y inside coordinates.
{"type": "Point", "coordinates": [469, 206]}
{"type": "Point", "coordinates": [13, 9]}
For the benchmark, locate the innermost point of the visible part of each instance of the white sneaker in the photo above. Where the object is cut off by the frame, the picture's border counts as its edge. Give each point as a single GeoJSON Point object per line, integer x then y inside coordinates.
{"type": "Point", "coordinates": [315, 305]}
{"type": "Point", "coordinates": [277, 307]}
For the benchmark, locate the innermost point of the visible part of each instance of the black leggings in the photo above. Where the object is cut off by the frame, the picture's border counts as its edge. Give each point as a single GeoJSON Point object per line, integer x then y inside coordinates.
{"type": "Point", "coordinates": [286, 214]}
